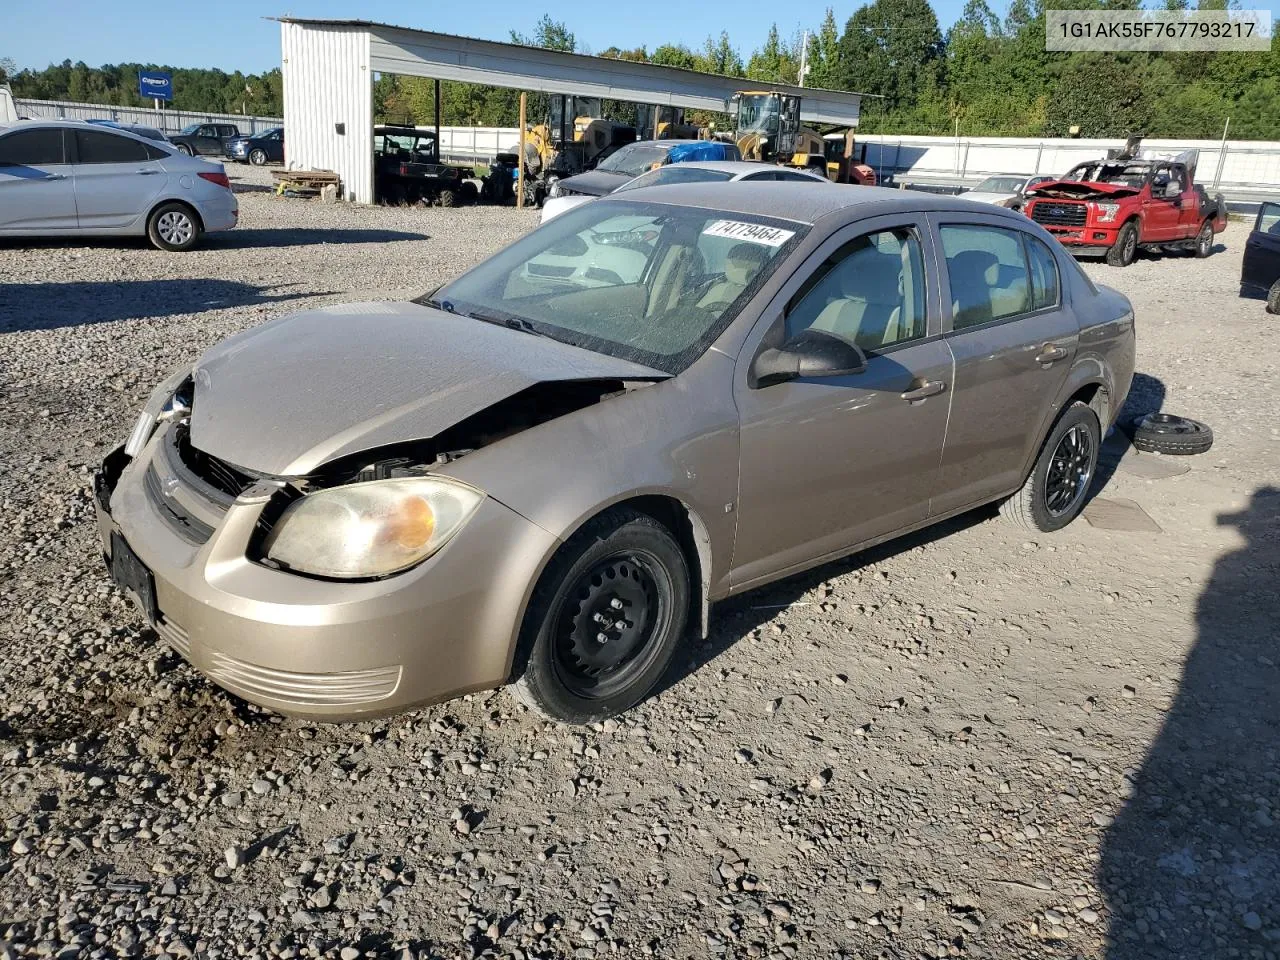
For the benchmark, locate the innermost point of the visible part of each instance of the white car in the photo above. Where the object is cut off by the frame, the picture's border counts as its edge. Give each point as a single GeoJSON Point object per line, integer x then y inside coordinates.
{"type": "Point", "coordinates": [68, 178]}
{"type": "Point", "coordinates": [1004, 189]}
{"type": "Point", "coordinates": [692, 171]}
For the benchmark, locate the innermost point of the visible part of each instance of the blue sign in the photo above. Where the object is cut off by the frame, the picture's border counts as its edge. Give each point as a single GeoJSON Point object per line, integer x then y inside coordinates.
{"type": "Point", "coordinates": [153, 85]}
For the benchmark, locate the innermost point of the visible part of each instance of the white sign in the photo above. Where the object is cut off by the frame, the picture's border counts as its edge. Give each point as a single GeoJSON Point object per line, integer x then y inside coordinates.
{"type": "Point", "coordinates": [749, 232]}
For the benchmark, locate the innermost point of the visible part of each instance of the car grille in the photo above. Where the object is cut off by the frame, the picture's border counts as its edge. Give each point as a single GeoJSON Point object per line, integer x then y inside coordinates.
{"type": "Point", "coordinates": [217, 473]}
{"type": "Point", "coordinates": [347, 688]}
{"type": "Point", "coordinates": [1057, 213]}
{"type": "Point", "coordinates": [190, 490]}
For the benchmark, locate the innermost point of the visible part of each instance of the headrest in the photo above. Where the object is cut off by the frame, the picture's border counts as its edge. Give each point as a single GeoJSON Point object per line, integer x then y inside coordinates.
{"type": "Point", "coordinates": [973, 265]}
{"type": "Point", "coordinates": [744, 262]}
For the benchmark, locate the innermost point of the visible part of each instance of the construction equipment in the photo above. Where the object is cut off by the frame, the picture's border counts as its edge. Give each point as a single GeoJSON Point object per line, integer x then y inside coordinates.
{"type": "Point", "coordinates": [573, 139]}
{"type": "Point", "coordinates": [769, 130]}
{"type": "Point", "coordinates": [664, 122]}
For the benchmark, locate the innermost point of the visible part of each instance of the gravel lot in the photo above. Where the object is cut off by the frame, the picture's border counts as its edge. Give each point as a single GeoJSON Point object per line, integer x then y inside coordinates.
{"type": "Point", "coordinates": [968, 744]}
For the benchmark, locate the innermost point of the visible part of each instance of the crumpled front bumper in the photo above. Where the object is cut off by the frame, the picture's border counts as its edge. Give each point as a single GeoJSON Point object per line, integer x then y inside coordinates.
{"type": "Point", "coordinates": [319, 648]}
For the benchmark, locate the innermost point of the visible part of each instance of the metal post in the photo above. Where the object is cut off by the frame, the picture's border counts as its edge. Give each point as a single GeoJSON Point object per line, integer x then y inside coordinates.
{"type": "Point", "coordinates": [804, 58]}
{"type": "Point", "coordinates": [1039, 154]}
{"type": "Point", "coordinates": [520, 163]}
{"type": "Point", "coordinates": [1222, 154]}
{"type": "Point", "coordinates": [437, 115]}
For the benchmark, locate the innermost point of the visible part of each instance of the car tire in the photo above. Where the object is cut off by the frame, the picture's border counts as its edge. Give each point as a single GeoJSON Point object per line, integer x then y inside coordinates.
{"type": "Point", "coordinates": [258, 157]}
{"type": "Point", "coordinates": [469, 193]}
{"type": "Point", "coordinates": [1057, 488]}
{"type": "Point", "coordinates": [173, 227]}
{"type": "Point", "coordinates": [448, 197]}
{"type": "Point", "coordinates": [184, 149]}
{"type": "Point", "coordinates": [1170, 435]}
{"type": "Point", "coordinates": [1273, 298]}
{"type": "Point", "coordinates": [394, 195]}
{"type": "Point", "coordinates": [1204, 240]}
{"type": "Point", "coordinates": [1125, 249]}
{"type": "Point", "coordinates": [624, 563]}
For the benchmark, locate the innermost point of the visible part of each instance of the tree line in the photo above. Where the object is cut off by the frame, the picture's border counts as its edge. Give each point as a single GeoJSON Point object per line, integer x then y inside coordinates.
{"type": "Point", "coordinates": [987, 75]}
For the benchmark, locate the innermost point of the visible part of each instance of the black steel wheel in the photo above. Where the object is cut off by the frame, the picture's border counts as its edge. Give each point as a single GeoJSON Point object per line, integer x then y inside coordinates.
{"type": "Point", "coordinates": [605, 619]}
{"type": "Point", "coordinates": [1171, 435]}
{"type": "Point", "coordinates": [1057, 488]}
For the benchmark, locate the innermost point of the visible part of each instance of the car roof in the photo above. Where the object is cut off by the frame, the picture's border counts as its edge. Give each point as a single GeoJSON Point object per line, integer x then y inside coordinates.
{"type": "Point", "coordinates": [128, 130]}
{"type": "Point", "coordinates": [805, 202]}
{"type": "Point", "coordinates": [737, 168]}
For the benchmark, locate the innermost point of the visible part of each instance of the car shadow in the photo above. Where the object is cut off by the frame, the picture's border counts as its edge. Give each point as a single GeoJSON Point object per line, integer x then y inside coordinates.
{"type": "Point", "coordinates": [737, 617]}
{"type": "Point", "coordinates": [238, 186]}
{"type": "Point", "coordinates": [49, 306]}
{"type": "Point", "coordinates": [1191, 865]}
{"type": "Point", "coordinates": [253, 237]}
{"type": "Point", "coordinates": [1146, 395]}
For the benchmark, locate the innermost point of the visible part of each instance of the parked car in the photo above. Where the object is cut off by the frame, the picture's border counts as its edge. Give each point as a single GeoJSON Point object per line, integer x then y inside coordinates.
{"type": "Point", "coordinates": [68, 178]}
{"type": "Point", "coordinates": [407, 169]}
{"type": "Point", "coordinates": [151, 133]}
{"type": "Point", "coordinates": [1260, 272]}
{"type": "Point", "coordinates": [706, 171]}
{"type": "Point", "coordinates": [258, 149]}
{"type": "Point", "coordinates": [1004, 189]}
{"type": "Point", "coordinates": [630, 161]}
{"type": "Point", "coordinates": [205, 139]}
{"type": "Point", "coordinates": [1115, 206]}
{"type": "Point", "coordinates": [547, 481]}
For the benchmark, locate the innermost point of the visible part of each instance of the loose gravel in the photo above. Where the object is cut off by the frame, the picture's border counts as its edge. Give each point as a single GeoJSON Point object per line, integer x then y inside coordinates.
{"type": "Point", "coordinates": [968, 744]}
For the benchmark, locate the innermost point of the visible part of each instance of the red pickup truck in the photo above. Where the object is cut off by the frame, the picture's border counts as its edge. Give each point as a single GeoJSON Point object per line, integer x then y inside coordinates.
{"type": "Point", "coordinates": [1112, 207]}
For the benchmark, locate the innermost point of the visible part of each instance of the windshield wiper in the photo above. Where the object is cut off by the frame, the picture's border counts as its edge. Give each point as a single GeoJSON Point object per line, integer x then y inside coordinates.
{"type": "Point", "coordinates": [507, 320]}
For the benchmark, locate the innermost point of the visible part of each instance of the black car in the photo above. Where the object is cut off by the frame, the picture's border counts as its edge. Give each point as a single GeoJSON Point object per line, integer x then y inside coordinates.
{"type": "Point", "coordinates": [1260, 272]}
{"type": "Point", "coordinates": [258, 149]}
{"type": "Point", "coordinates": [205, 139]}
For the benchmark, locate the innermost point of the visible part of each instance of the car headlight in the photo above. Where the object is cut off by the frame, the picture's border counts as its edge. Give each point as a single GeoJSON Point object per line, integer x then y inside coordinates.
{"type": "Point", "coordinates": [1107, 211]}
{"type": "Point", "coordinates": [371, 529]}
{"type": "Point", "coordinates": [556, 190]}
{"type": "Point", "coordinates": [167, 402]}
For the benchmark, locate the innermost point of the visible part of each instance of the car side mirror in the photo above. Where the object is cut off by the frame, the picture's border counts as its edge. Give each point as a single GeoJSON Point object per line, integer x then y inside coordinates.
{"type": "Point", "coordinates": [810, 354]}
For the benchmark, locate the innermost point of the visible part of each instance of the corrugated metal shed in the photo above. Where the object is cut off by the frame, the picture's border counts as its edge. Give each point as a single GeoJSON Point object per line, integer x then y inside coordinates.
{"type": "Point", "coordinates": [328, 102]}
{"type": "Point", "coordinates": [329, 67]}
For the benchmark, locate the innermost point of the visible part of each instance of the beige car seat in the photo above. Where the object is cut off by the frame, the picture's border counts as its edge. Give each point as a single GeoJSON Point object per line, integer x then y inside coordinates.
{"type": "Point", "coordinates": [865, 291]}
{"type": "Point", "coordinates": [740, 268]}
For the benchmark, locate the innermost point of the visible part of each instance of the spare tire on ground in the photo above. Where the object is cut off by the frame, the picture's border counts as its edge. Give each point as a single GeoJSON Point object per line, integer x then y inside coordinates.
{"type": "Point", "coordinates": [1170, 435]}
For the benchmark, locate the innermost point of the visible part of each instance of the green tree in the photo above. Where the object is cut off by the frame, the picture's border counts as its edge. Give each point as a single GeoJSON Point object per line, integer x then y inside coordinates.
{"type": "Point", "coordinates": [1102, 94]}
{"type": "Point", "coordinates": [675, 55]}
{"type": "Point", "coordinates": [552, 34]}
{"type": "Point", "coordinates": [775, 61]}
{"type": "Point", "coordinates": [824, 54]}
{"type": "Point", "coordinates": [719, 56]}
{"type": "Point", "coordinates": [892, 48]}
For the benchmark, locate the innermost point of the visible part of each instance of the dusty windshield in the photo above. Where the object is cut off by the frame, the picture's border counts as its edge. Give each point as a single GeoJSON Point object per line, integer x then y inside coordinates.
{"type": "Point", "coordinates": [646, 282]}
{"type": "Point", "coordinates": [758, 115]}
{"type": "Point", "coordinates": [999, 185]}
{"type": "Point", "coordinates": [634, 160]}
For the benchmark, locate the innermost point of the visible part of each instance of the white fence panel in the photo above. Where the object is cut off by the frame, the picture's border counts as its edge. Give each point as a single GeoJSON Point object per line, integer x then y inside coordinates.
{"type": "Point", "coordinates": [167, 121]}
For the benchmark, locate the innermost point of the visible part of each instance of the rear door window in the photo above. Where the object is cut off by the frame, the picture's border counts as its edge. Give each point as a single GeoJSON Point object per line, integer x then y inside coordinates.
{"type": "Point", "coordinates": [1269, 219]}
{"type": "Point", "coordinates": [32, 148]}
{"type": "Point", "coordinates": [987, 268]}
{"type": "Point", "coordinates": [1044, 274]}
{"type": "Point", "coordinates": [95, 147]}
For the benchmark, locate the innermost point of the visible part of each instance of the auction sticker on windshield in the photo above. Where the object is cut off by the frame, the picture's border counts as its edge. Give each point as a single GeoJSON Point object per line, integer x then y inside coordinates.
{"type": "Point", "coordinates": [750, 232]}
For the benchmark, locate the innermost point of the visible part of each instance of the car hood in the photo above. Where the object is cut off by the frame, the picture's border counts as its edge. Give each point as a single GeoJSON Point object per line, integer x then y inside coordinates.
{"type": "Point", "coordinates": [595, 183]}
{"type": "Point", "coordinates": [293, 394]}
{"type": "Point", "coordinates": [1080, 190]}
{"type": "Point", "coordinates": [982, 196]}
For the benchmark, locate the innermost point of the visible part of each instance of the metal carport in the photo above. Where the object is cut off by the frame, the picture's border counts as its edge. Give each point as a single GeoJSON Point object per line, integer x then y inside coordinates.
{"type": "Point", "coordinates": [328, 68]}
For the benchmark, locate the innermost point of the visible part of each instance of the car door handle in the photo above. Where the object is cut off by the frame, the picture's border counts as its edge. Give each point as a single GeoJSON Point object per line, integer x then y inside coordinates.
{"type": "Point", "coordinates": [147, 173]}
{"type": "Point", "coordinates": [927, 389]}
{"type": "Point", "coordinates": [1050, 353]}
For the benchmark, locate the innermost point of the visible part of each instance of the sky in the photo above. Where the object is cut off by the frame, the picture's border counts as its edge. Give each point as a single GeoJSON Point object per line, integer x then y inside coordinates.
{"type": "Point", "coordinates": [233, 34]}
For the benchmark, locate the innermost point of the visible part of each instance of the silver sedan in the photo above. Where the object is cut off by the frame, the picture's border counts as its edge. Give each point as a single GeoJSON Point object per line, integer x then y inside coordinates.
{"type": "Point", "coordinates": [70, 178]}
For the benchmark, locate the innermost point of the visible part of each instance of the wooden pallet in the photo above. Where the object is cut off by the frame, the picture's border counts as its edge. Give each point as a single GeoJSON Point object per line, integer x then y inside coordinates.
{"type": "Point", "coordinates": [304, 181]}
